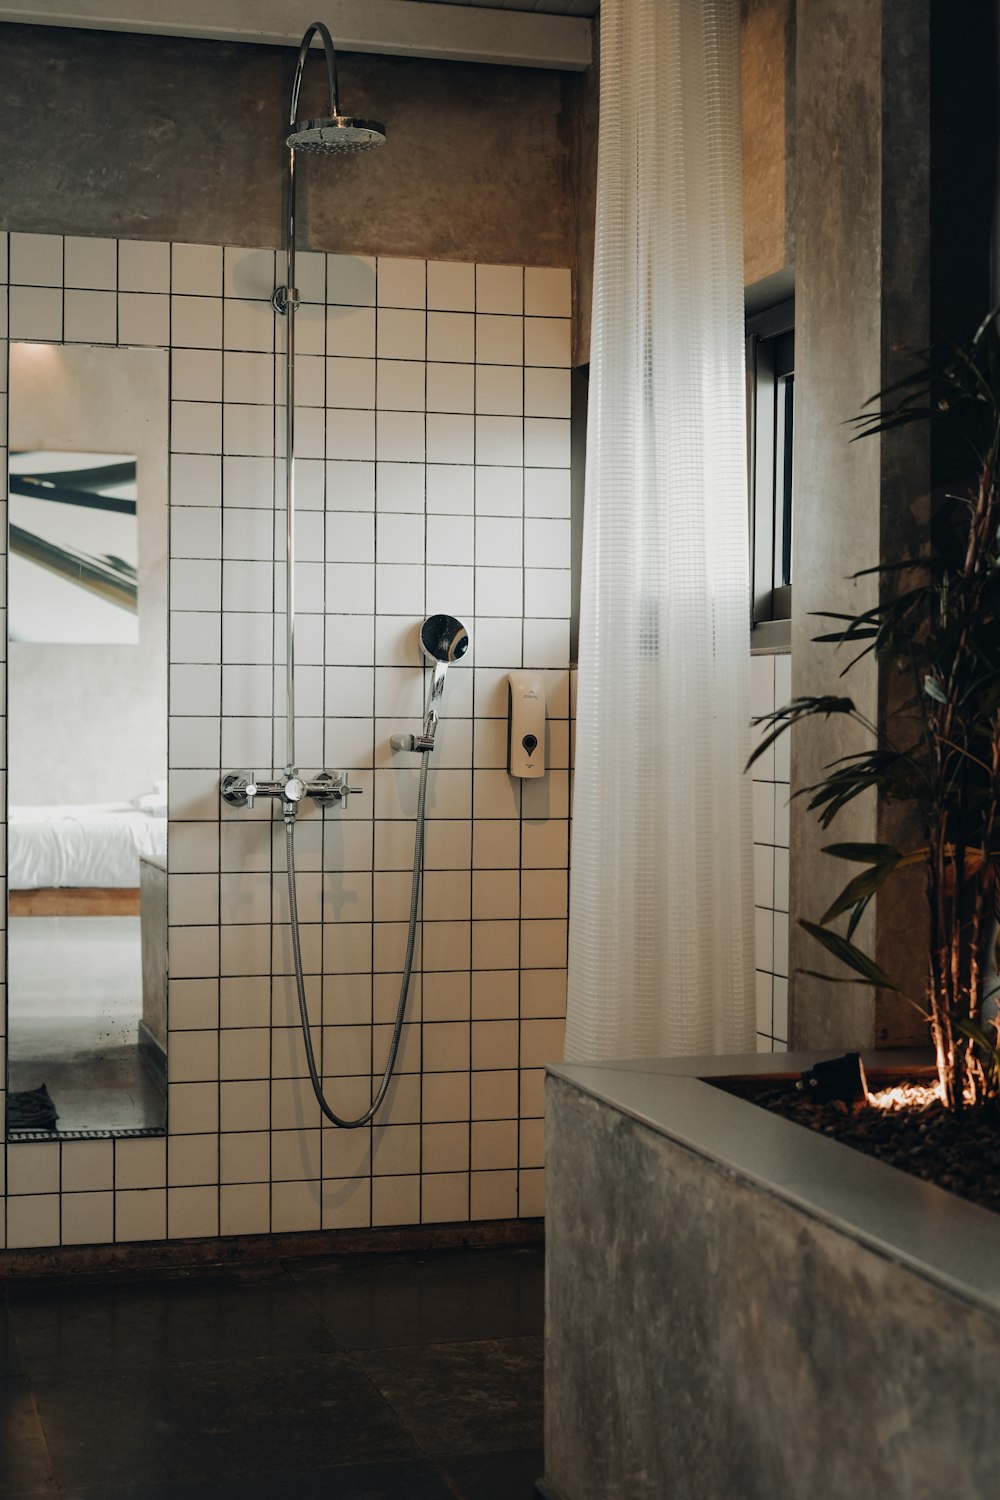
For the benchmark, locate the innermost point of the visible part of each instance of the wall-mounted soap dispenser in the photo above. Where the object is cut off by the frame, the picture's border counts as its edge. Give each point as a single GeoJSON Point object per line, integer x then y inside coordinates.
{"type": "Point", "coordinates": [526, 724]}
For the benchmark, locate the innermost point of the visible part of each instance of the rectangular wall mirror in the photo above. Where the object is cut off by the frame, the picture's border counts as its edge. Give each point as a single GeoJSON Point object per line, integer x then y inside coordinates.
{"type": "Point", "coordinates": [87, 741]}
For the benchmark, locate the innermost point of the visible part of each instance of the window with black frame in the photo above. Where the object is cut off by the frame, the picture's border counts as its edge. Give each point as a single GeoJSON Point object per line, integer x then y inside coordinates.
{"type": "Point", "coordinates": [770, 406]}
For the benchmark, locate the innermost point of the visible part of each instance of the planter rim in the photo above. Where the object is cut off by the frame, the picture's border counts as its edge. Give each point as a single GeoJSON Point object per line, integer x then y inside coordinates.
{"type": "Point", "coordinates": [943, 1238]}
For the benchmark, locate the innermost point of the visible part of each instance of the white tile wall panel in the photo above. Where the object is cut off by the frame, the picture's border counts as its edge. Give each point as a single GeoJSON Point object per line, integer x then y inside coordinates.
{"type": "Point", "coordinates": [770, 687]}
{"type": "Point", "coordinates": [417, 418]}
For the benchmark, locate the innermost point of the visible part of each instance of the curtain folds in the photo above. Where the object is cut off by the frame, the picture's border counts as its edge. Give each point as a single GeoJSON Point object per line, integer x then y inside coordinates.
{"type": "Point", "coordinates": [661, 914]}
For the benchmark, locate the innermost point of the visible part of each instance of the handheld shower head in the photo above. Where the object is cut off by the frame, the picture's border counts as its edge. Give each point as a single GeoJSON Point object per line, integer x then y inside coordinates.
{"type": "Point", "coordinates": [443, 638]}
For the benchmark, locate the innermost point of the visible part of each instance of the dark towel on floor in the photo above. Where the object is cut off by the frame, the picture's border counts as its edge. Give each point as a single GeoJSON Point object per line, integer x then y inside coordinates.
{"type": "Point", "coordinates": [31, 1110]}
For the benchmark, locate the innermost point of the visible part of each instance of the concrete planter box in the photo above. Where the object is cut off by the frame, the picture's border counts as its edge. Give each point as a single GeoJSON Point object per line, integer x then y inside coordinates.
{"type": "Point", "coordinates": [740, 1309]}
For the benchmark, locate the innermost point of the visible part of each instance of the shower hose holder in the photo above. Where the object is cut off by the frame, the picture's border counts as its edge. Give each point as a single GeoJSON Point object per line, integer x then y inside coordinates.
{"type": "Point", "coordinates": [424, 743]}
{"type": "Point", "coordinates": [327, 789]}
{"type": "Point", "coordinates": [284, 297]}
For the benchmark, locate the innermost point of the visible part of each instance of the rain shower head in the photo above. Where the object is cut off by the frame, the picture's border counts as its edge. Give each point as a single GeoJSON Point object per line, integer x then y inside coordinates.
{"type": "Point", "coordinates": [333, 134]}
{"type": "Point", "coordinates": [338, 135]}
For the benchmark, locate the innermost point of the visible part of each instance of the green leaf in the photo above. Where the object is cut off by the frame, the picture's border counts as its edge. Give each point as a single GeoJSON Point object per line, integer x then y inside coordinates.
{"type": "Point", "coordinates": [865, 634]}
{"type": "Point", "coordinates": [912, 564]}
{"type": "Point", "coordinates": [799, 708]}
{"type": "Point", "coordinates": [833, 614]}
{"type": "Point", "coordinates": [988, 1044]}
{"type": "Point", "coordinates": [975, 1033]}
{"type": "Point", "coordinates": [849, 955]}
{"type": "Point", "coordinates": [862, 854]}
{"type": "Point", "coordinates": [856, 916]}
{"type": "Point", "coordinates": [767, 742]}
{"type": "Point", "coordinates": [934, 690]}
{"type": "Point", "coordinates": [859, 889]}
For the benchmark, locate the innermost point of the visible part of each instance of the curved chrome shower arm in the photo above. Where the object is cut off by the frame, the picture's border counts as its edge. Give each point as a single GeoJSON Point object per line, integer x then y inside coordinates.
{"type": "Point", "coordinates": [283, 295]}
{"type": "Point", "coordinates": [316, 29]}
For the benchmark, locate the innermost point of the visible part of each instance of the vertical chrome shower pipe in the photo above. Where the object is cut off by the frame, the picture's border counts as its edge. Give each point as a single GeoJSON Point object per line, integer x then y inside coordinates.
{"type": "Point", "coordinates": [331, 134]}
{"type": "Point", "coordinates": [291, 304]}
{"type": "Point", "coordinates": [286, 301]}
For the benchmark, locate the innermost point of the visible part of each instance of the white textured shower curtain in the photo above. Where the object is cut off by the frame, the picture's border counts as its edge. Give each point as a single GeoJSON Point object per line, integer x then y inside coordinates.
{"type": "Point", "coordinates": [661, 914]}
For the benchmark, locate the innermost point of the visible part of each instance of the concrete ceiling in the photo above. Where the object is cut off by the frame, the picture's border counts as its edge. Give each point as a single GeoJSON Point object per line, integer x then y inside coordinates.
{"type": "Point", "coordinates": [539, 7]}
{"type": "Point", "coordinates": [521, 33]}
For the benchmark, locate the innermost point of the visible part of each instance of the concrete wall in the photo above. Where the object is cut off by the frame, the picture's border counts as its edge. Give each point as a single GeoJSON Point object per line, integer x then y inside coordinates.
{"type": "Point", "coordinates": [892, 112]}
{"type": "Point", "coordinates": [586, 121]}
{"type": "Point", "coordinates": [840, 146]}
{"type": "Point", "coordinates": [161, 138]}
{"type": "Point", "coordinates": [768, 85]}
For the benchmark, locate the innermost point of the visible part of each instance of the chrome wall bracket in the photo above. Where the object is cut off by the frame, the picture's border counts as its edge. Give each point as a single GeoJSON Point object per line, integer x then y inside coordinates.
{"type": "Point", "coordinates": [284, 297]}
{"type": "Point", "coordinates": [423, 743]}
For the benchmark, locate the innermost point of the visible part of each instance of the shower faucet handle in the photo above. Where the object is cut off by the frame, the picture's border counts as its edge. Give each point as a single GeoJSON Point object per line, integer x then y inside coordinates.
{"type": "Point", "coordinates": [332, 789]}
{"type": "Point", "coordinates": [239, 788]}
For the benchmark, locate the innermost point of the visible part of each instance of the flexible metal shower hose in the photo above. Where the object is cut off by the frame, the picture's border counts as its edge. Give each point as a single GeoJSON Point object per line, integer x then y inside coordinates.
{"type": "Point", "coordinates": [404, 988]}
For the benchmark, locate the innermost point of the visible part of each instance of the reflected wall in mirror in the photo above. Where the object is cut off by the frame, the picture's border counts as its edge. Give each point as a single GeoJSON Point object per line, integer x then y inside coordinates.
{"type": "Point", "coordinates": [87, 741]}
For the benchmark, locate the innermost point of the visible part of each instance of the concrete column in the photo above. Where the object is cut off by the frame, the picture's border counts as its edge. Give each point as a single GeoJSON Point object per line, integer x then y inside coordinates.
{"type": "Point", "coordinates": [890, 252]}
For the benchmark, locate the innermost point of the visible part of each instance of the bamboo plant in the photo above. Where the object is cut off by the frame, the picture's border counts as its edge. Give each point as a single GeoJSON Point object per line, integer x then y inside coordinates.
{"type": "Point", "coordinates": [938, 624]}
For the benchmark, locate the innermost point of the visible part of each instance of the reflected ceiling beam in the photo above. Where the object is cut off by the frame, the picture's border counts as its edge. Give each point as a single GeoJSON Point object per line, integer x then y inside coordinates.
{"type": "Point", "coordinates": [56, 489]}
{"type": "Point", "coordinates": [109, 578]}
{"type": "Point", "coordinates": [456, 33]}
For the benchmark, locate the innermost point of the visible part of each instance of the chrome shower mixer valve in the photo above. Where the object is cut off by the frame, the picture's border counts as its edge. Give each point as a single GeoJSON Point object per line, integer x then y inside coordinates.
{"type": "Point", "coordinates": [328, 789]}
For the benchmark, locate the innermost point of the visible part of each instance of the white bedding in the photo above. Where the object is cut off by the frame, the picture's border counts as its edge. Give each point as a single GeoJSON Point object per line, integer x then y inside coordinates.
{"type": "Point", "coordinates": [98, 844]}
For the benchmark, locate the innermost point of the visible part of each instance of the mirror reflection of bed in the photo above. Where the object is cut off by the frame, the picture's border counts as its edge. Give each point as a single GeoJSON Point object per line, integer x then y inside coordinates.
{"type": "Point", "coordinates": [87, 741]}
{"type": "Point", "coordinates": [87, 928]}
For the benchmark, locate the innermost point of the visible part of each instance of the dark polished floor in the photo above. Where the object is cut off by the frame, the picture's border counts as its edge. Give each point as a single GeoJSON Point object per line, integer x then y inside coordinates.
{"type": "Point", "coordinates": [101, 1088]}
{"type": "Point", "coordinates": [75, 1000]}
{"type": "Point", "coordinates": [406, 1377]}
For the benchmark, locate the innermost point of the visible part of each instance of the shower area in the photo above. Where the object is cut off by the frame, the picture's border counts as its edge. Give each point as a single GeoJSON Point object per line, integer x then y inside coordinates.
{"type": "Point", "coordinates": [430, 524]}
{"type": "Point", "coordinates": [442, 638]}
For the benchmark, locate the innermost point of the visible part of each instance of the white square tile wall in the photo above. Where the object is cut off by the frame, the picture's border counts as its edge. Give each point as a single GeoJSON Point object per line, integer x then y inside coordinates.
{"type": "Point", "coordinates": [433, 475]}
{"type": "Point", "coordinates": [770, 688]}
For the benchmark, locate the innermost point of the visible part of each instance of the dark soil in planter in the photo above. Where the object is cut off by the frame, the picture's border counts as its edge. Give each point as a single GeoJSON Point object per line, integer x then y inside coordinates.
{"type": "Point", "coordinates": [911, 1130]}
